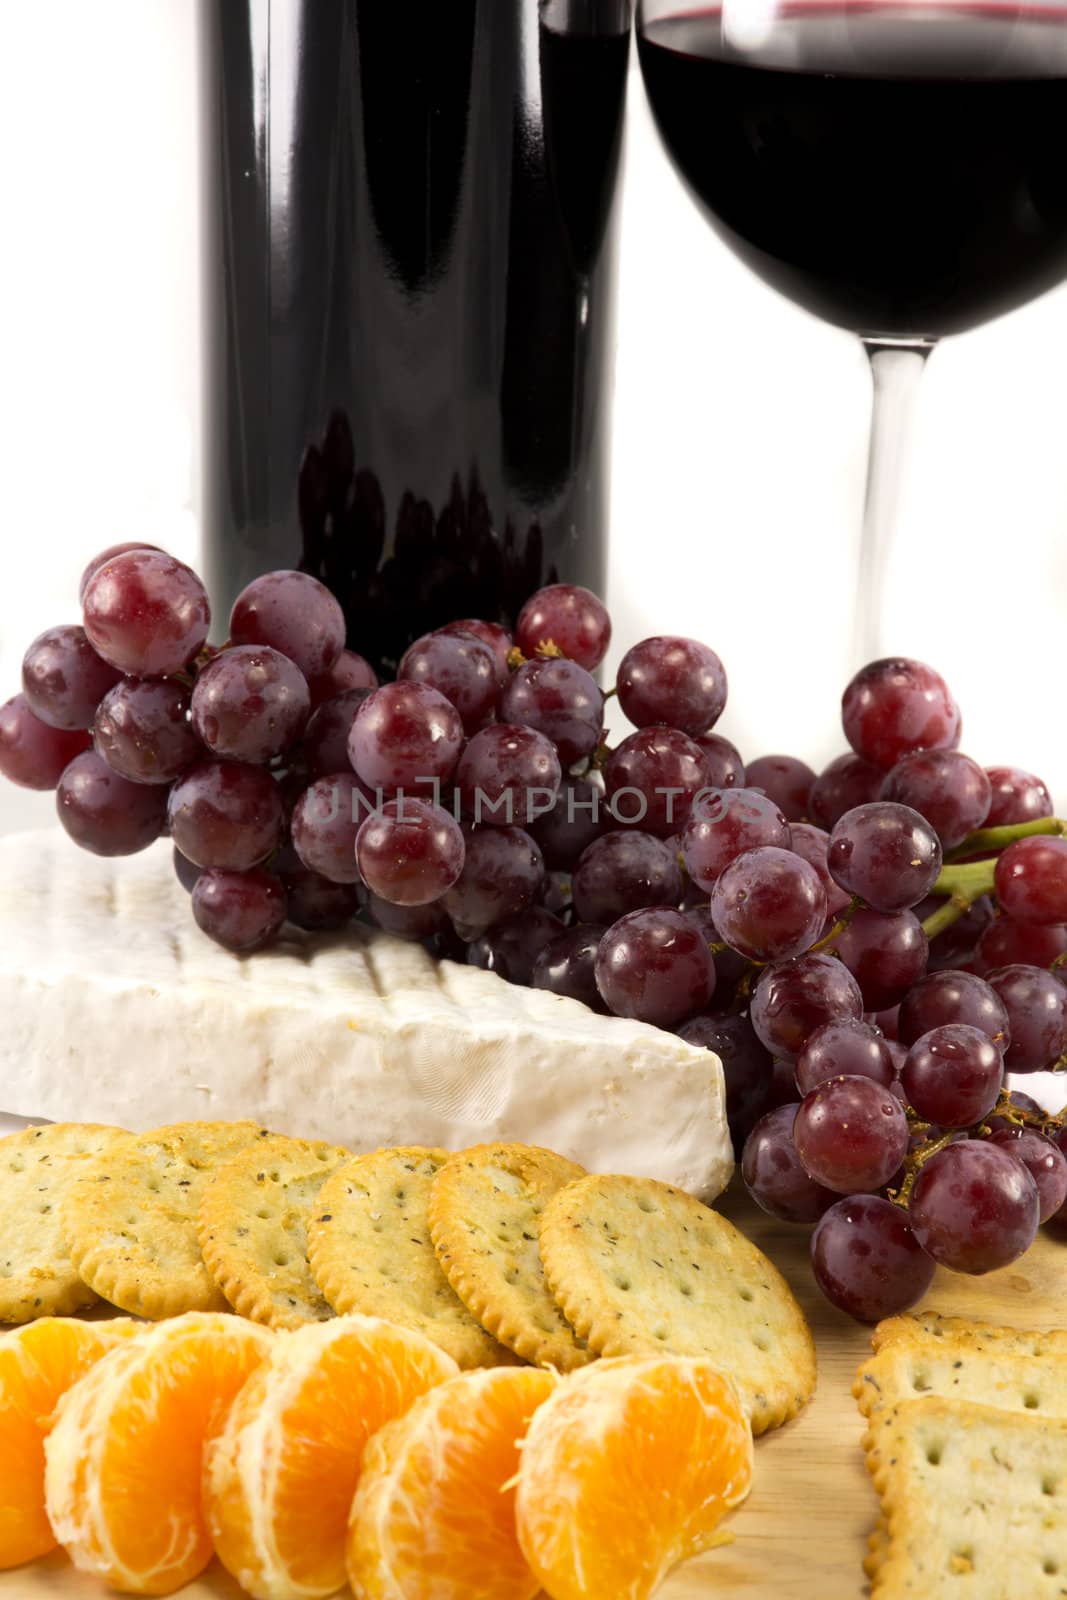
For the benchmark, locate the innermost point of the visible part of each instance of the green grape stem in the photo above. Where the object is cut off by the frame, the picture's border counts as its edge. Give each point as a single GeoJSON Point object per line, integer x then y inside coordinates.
{"type": "Point", "coordinates": [964, 882]}
{"type": "Point", "coordinates": [1016, 1116]}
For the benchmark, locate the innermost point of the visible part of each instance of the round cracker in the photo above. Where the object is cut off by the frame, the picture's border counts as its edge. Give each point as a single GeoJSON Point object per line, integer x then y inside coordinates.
{"type": "Point", "coordinates": [252, 1228]}
{"type": "Point", "coordinates": [370, 1251]}
{"type": "Point", "coordinates": [639, 1266]}
{"type": "Point", "coordinates": [485, 1211]}
{"type": "Point", "coordinates": [37, 1167]}
{"type": "Point", "coordinates": [130, 1218]}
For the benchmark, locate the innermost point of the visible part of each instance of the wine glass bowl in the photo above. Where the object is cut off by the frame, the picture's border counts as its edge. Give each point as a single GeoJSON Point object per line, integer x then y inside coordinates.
{"type": "Point", "coordinates": [893, 166]}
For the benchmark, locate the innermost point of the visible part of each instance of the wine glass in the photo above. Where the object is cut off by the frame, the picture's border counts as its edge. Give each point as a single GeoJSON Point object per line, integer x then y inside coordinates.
{"type": "Point", "coordinates": [894, 166]}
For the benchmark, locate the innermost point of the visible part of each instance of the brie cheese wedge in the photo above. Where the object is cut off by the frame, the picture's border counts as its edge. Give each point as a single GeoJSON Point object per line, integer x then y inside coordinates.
{"type": "Point", "coordinates": [116, 1008]}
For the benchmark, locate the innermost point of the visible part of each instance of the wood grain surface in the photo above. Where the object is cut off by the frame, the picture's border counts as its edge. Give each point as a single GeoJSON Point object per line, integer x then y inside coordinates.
{"type": "Point", "coordinates": [802, 1533]}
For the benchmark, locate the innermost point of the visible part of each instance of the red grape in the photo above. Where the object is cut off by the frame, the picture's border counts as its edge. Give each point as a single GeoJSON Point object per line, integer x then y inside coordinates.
{"type": "Point", "coordinates": [896, 706]}
{"type": "Point", "coordinates": [951, 996]}
{"type": "Point", "coordinates": [725, 823]}
{"type": "Point", "coordinates": [146, 613]}
{"type": "Point", "coordinates": [501, 876]}
{"type": "Point", "coordinates": [325, 823]}
{"type": "Point", "coordinates": [556, 895]}
{"type": "Point", "coordinates": [314, 902]}
{"type": "Point", "coordinates": [511, 948]}
{"type": "Point", "coordinates": [769, 904]}
{"type": "Point", "coordinates": [571, 825]}
{"type": "Point", "coordinates": [241, 910]}
{"type": "Point", "coordinates": [886, 954]}
{"type": "Point", "coordinates": [678, 682]}
{"type": "Point", "coordinates": [559, 699]}
{"type": "Point", "coordinates": [295, 614]}
{"type": "Point", "coordinates": [63, 678]}
{"type": "Point", "coordinates": [846, 1048]}
{"type": "Point", "coordinates": [886, 854]}
{"type": "Point", "coordinates": [846, 783]}
{"type": "Point", "coordinates": [974, 1207]}
{"type": "Point", "coordinates": [1031, 880]}
{"type": "Point", "coordinates": [107, 555]}
{"type": "Point", "coordinates": [32, 754]}
{"type": "Point", "coordinates": [773, 1174]}
{"type": "Point", "coordinates": [949, 789]}
{"type": "Point", "coordinates": [625, 871]}
{"type": "Point", "coordinates": [143, 732]}
{"type": "Point", "coordinates": [405, 736]}
{"type": "Point", "coordinates": [746, 1066]}
{"type": "Point", "coordinates": [491, 633]}
{"type": "Point", "coordinates": [793, 998]}
{"type": "Point", "coordinates": [349, 671]}
{"type": "Point", "coordinates": [652, 779]}
{"type": "Point", "coordinates": [461, 668]}
{"type": "Point", "coordinates": [569, 617]}
{"type": "Point", "coordinates": [185, 871]}
{"type": "Point", "coordinates": [812, 843]}
{"type": "Point", "coordinates": [1004, 943]}
{"type": "Point", "coordinates": [654, 966]}
{"type": "Point", "coordinates": [104, 813]}
{"type": "Point", "coordinates": [410, 852]}
{"type": "Point", "coordinates": [953, 1075]}
{"type": "Point", "coordinates": [786, 780]}
{"type": "Point", "coordinates": [225, 814]}
{"type": "Point", "coordinates": [1036, 1004]}
{"type": "Point", "coordinates": [1017, 796]}
{"type": "Point", "coordinates": [1019, 1102]}
{"type": "Point", "coordinates": [324, 746]}
{"type": "Point", "coordinates": [1043, 1160]}
{"type": "Point", "coordinates": [957, 945]}
{"type": "Point", "coordinates": [725, 768]}
{"type": "Point", "coordinates": [851, 1134]}
{"type": "Point", "coordinates": [407, 922]}
{"type": "Point", "coordinates": [250, 703]}
{"type": "Point", "coordinates": [567, 966]}
{"type": "Point", "coordinates": [508, 774]}
{"type": "Point", "coordinates": [867, 1260]}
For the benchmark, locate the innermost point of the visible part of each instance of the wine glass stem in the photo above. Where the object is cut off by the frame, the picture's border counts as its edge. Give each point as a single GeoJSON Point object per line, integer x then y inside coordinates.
{"type": "Point", "coordinates": [896, 368]}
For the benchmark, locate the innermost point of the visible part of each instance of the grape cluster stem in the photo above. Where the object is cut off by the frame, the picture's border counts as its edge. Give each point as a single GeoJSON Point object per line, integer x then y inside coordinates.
{"type": "Point", "coordinates": [963, 881]}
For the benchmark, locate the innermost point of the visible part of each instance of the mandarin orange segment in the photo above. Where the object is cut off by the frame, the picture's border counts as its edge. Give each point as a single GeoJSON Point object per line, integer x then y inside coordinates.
{"type": "Point", "coordinates": [628, 1469]}
{"type": "Point", "coordinates": [38, 1364]}
{"type": "Point", "coordinates": [434, 1514]}
{"type": "Point", "coordinates": [124, 1459]}
{"type": "Point", "coordinates": [279, 1480]}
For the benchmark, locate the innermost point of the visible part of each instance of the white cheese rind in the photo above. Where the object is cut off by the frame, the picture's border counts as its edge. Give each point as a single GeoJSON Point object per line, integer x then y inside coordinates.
{"type": "Point", "coordinates": [116, 1008]}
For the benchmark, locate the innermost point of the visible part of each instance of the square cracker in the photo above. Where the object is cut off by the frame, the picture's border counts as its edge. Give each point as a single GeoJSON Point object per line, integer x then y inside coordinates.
{"type": "Point", "coordinates": [928, 1326]}
{"type": "Point", "coordinates": [638, 1266]}
{"type": "Point", "coordinates": [974, 1500]}
{"type": "Point", "coordinates": [993, 1375]}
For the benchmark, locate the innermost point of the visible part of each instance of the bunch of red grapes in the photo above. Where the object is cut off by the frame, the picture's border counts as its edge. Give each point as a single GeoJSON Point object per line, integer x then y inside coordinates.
{"type": "Point", "coordinates": [870, 951]}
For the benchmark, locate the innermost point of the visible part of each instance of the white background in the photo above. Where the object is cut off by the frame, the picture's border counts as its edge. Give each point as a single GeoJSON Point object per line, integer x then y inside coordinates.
{"type": "Point", "coordinates": [740, 422]}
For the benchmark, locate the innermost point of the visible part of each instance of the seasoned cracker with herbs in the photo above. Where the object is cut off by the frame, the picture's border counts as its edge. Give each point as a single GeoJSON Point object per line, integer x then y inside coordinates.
{"type": "Point", "coordinates": [37, 1167]}
{"type": "Point", "coordinates": [129, 1219]}
{"type": "Point", "coordinates": [637, 1266]}
{"type": "Point", "coordinates": [485, 1211]}
{"type": "Point", "coordinates": [252, 1228]}
{"type": "Point", "coordinates": [370, 1251]}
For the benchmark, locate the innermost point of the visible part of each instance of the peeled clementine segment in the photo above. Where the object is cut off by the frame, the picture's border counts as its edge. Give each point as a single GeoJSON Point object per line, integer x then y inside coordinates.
{"type": "Point", "coordinates": [279, 1480]}
{"type": "Point", "coordinates": [38, 1364]}
{"type": "Point", "coordinates": [124, 1459]}
{"type": "Point", "coordinates": [628, 1469]}
{"type": "Point", "coordinates": [434, 1515]}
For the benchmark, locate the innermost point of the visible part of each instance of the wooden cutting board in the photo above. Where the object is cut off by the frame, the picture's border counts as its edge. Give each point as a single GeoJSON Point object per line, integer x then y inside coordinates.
{"type": "Point", "coordinates": [802, 1533]}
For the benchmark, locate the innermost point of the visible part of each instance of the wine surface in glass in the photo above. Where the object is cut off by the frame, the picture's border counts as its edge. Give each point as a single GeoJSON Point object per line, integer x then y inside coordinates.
{"type": "Point", "coordinates": [898, 169]}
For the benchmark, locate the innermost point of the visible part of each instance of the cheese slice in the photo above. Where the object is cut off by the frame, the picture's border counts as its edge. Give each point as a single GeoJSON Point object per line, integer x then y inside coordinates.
{"type": "Point", "coordinates": [114, 1007]}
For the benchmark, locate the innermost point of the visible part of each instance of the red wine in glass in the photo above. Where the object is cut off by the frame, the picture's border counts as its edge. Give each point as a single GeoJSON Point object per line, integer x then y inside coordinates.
{"type": "Point", "coordinates": [896, 167]}
{"type": "Point", "coordinates": [897, 172]}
